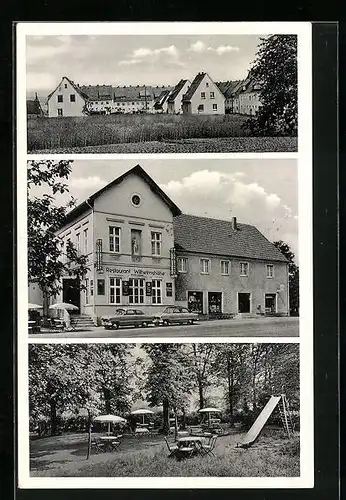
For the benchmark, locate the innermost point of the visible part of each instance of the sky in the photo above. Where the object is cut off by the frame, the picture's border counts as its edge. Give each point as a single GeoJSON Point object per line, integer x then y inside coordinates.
{"type": "Point", "coordinates": [258, 192]}
{"type": "Point", "coordinates": [135, 60]}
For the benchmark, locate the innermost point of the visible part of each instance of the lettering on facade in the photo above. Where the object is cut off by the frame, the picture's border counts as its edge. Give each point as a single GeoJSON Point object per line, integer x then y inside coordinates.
{"type": "Point", "coordinates": [173, 263]}
{"type": "Point", "coordinates": [148, 288]}
{"type": "Point", "coordinates": [99, 254]}
{"type": "Point", "coordinates": [135, 271]}
{"type": "Point", "coordinates": [169, 289]}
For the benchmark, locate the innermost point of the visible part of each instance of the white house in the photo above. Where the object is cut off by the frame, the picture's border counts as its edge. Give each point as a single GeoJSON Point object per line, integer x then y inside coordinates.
{"type": "Point", "coordinates": [203, 97]}
{"type": "Point", "coordinates": [176, 97]}
{"type": "Point", "coordinates": [66, 100]}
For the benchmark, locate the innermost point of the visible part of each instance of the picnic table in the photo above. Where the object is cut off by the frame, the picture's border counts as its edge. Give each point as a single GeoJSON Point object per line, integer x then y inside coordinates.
{"type": "Point", "coordinates": [109, 443]}
{"type": "Point", "coordinates": [189, 445]}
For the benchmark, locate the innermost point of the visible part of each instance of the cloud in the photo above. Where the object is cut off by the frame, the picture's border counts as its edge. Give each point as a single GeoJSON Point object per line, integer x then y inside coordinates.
{"type": "Point", "coordinates": [201, 47]}
{"type": "Point", "coordinates": [216, 194]}
{"type": "Point", "coordinates": [144, 54]}
{"type": "Point", "coordinates": [40, 81]}
{"type": "Point", "coordinates": [90, 184]}
{"type": "Point", "coordinates": [37, 51]}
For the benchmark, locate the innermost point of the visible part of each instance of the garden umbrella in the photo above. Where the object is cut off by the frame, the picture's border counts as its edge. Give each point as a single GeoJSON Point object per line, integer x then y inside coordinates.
{"type": "Point", "coordinates": [64, 305]}
{"type": "Point", "coordinates": [142, 412]}
{"type": "Point", "coordinates": [32, 307]}
{"type": "Point", "coordinates": [110, 419]}
{"type": "Point", "coordinates": [209, 411]}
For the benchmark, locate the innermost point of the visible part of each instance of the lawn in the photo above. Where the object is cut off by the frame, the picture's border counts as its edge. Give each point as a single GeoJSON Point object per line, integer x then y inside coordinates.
{"type": "Point", "coordinates": [272, 455]}
{"type": "Point", "coordinates": [148, 134]}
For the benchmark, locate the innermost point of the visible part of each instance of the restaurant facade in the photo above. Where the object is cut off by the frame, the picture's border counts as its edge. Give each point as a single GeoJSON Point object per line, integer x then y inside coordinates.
{"type": "Point", "coordinates": [144, 253]}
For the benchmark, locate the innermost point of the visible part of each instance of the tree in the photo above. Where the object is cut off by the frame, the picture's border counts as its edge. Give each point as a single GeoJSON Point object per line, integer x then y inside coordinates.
{"type": "Point", "coordinates": [168, 380]}
{"type": "Point", "coordinates": [201, 359]}
{"type": "Point", "coordinates": [293, 276]}
{"type": "Point", "coordinates": [45, 249]}
{"type": "Point", "coordinates": [275, 69]}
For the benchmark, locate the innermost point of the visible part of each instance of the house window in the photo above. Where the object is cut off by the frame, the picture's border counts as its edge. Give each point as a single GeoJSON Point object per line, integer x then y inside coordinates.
{"type": "Point", "coordinates": [205, 266]}
{"type": "Point", "coordinates": [207, 84]}
{"type": "Point", "coordinates": [156, 292]}
{"type": "Point", "coordinates": [156, 243]}
{"type": "Point", "coordinates": [214, 107]}
{"type": "Point", "coordinates": [201, 107]}
{"type": "Point", "coordinates": [85, 241]}
{"type": "Point", "coordinates": [87, 297]}
{"type": "Point", "coordinates": [244, 269]}
{"type": "Point", "coordinates": [60, 113]}
{"type": "Point", "coordinates": [270, 271]}
{"type": "Point", "coordinates": [65, 85]}
{"type": "Point", "coordinates": [60, 98]}
{"type": "Point", "coordinates": [114, 239]}
{"type": "Point", "coordinates": [212, 95]}
{"type": "Point", "coordinates": [182, 264]}
{"type": "Point", "coordinates": [78, 242]}
{"type": "Point", "coordinates": [72, 98]}
{"type": "Point", "coordinates": [136, 291]}
{"type": "Point", "coordinates": [225, 267]}
{"type": "Point", "coordinates": [202, 95]}
{"type": "Point", "coordinates": [114, 290]}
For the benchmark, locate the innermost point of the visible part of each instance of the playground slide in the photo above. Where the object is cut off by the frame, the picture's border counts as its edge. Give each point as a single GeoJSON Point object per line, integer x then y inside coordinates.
{"type": "Point", "coordinates": [262, 418]}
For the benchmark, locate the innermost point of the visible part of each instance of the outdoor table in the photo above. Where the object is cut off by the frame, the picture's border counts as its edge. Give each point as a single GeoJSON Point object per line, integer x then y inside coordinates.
{"type": "Point", "coordinates": [31, 325]}
{"type": "Point", "coordinates": [109, 441]}
{"type": "Point", "coordinates": [141, 430]}
{"type": "Point", "coordinates": [189, 445]}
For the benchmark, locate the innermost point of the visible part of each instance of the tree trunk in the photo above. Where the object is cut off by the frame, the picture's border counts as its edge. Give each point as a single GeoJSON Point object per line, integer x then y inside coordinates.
{"type": "Point", "coordinates": [107, 398]}
{"type": "Point", "coordinates": [175, 425]}
{"type": "Point", "coordinates": [184, 419]}
{"type": "Point", "coordinates": [201, 395]}
{"type": "Point", "coordinates": [165, 417]}
{"type": "Point", "coordinates": [45, 310]}
{"type": "Point", "coordinates": [89, 434]}
{"type": "Point", "coordinates": [230, 388]}
{"type": "Point", "coordinates": [53, 418]}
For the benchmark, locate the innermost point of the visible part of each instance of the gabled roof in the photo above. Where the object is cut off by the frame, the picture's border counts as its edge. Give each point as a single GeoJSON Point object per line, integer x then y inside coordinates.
{"type": "Point", "coordinates": [161, 99]}
{"type": "Point", "coordinates": [71, 82]}
{"type": "Point", "coordinates": [217, 237]}
{"type": "Point", "coordinates": [95, 92]}
{"type": "Point", "coordinates": [194, 86]}
{"type": "Point", "coordinates": [176, 90]}
{"type": "Point", "coordinates": [228, 88]}
{"type": "Point", "coordinates": [138, 170]}
{"type": "Point", "coordinates": [33, 107]}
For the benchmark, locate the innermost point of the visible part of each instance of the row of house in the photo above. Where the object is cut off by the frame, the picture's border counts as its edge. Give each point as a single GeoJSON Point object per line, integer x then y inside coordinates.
{"type": "Point", "coordinates": [202, 96]}
{"type": "Point", "coordinates": [144, 252]}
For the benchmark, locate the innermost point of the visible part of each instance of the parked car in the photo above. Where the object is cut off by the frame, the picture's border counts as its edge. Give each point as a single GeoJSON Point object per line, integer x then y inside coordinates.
{"type": "Point", "coordinates": [176, 314]}
{"type": "Point", "coordinates": [127, 317]}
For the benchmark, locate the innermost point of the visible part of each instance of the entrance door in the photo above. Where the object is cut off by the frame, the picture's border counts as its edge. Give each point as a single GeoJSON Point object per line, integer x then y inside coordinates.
{"type": "Point", "coordinates": [243, 302]}
{"type": "Point", "coordinates": [214, 302]}
{"type": "Point", "coordinates": [270, 303]}
{"type": "Point", "coordinates": [195, 302]}
{"type": "Point", "coordinates": [71, 292]}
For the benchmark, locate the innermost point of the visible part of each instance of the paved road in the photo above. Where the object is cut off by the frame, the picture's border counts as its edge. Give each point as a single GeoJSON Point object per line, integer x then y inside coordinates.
{"type": "Point", "coordinates": [263, 327]}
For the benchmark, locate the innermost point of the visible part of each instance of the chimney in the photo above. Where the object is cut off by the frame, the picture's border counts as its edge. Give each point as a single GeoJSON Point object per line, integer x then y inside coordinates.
{"type": "Point", "coordinates": [234, 223]}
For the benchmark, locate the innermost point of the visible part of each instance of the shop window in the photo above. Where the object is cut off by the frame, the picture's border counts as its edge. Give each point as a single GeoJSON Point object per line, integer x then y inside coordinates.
{"type": "Point", "coordinates": [270, 271]}
{"type": "Point", "coordinates": [225, 267]}
{"type": "Point", "coordinates": [156, 292]}
{"type": "Point", "coordinates": [60, 98]}
{"type": "Point", "coordinates": [244, 269]}
{"type": "Point", "coordinates": [114, 239]}
{"type": "Point", "coordinates": [205, 266]}
{"type": "Point", "coordinates": [156, 243]}
{"type": "Point", "coordinates": [182, 264]}
{"type": "Point", "coordinates": [136, 291]}
{"type": "Point", "coordinates": [72, 98]}
{"type": "Point", "coordinates": [115, 290]}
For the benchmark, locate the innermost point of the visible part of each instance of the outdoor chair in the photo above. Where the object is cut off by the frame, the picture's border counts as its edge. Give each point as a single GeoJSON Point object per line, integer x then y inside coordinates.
{"type": "Point", "coordinates": [172, 447]}
{"type": "Point", "coordinates": [208, 448]}
{"type": "Point", "coordinates": [96, 443]}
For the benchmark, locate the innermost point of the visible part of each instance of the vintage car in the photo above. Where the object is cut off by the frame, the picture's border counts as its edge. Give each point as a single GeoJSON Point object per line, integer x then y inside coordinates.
{"type": "Point", "coordinates": [176, 314]}
{"type": "Point", "coordinates": [127, 317]}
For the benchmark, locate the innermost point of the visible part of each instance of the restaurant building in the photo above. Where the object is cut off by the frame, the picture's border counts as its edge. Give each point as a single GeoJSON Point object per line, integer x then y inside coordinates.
{"type": "Point", "coordinates": [143, 252]}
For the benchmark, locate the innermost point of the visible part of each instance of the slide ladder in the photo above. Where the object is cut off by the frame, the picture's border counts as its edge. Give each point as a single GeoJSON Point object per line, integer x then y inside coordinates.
{"type": "Point", "coordinates": [286, 417]}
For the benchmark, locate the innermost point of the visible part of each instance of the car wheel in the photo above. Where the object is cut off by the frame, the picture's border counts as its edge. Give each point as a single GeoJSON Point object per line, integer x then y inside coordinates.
{"type": "Point", "coordinates": [165, 322]}
{"type": "Point", "coordinates": [190, 322]}
{"type": "Point", "coordinates": [144, 324]}
{"type": "Point", "coordinates": [115, 326]}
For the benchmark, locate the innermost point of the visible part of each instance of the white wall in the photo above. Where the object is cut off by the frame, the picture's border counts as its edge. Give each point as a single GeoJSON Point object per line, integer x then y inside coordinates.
{"type": "Point", "coordinates": [65, 89]}
{"type": "Point", "coordinates": [208, 86]}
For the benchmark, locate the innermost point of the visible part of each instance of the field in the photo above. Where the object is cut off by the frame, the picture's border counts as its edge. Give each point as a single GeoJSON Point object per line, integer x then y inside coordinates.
{"type": "Point", "coordinates": [272, 455]}
{"type": "Point", "coordinates": [148, 134]}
